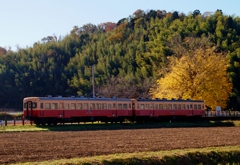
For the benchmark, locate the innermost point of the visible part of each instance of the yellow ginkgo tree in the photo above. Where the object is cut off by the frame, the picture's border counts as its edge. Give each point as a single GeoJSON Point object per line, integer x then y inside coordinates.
{"type": "Point", "coordinates": [200, 75]}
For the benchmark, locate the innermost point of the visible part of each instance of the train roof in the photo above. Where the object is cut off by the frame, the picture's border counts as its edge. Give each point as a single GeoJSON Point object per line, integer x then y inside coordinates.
{"type": "Point", "coordinates": [49, 97]}
{"type": "Point", "coordinates": [168, 100]}
{"type": "Point", "coordinates": [79, 98]}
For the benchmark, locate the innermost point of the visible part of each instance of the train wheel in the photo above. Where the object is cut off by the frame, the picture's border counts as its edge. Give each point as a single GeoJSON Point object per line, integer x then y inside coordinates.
{"type": "Point", "coordinates": [106, 121]}
{"type": "Point", "coordinates": [37, 123]}
{"type": "Point", "coordinates": [121, 120]}
{"type": "Point", "coordinates": [55, 122]}
{"type": "Point", "coordinates": [43, 122]}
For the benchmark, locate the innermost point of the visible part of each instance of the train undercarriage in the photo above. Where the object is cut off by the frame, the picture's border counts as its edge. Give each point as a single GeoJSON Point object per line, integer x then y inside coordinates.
{"type": "Point", "coordinates": [104, 119]}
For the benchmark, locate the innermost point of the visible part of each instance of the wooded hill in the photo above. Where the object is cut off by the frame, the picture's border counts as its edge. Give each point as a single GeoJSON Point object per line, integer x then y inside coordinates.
{"type": "Point", "coordinates": [128, 56]}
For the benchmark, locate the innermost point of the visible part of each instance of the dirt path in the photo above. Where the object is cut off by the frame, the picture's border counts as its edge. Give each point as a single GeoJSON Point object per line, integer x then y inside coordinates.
{"type": "Point", "coordinates": [40, 146]}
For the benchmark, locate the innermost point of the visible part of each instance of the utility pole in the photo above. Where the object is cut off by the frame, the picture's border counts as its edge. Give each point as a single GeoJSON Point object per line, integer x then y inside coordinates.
{"type": "Point", "coordinates": [93, 89]}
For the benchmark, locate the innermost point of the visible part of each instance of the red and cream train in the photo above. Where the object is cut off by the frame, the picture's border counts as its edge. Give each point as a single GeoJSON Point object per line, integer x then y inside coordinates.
{"type": "Point", "coordinates": [54, 110]}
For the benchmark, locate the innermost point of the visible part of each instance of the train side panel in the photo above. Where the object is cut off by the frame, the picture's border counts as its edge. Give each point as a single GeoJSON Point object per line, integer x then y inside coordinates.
{"type": "Point", "coordinates": [161, 108]}
{"type": "Point", "coordinates": [54, 109]}
{"type": "Point", "coordinates": [70, 109]}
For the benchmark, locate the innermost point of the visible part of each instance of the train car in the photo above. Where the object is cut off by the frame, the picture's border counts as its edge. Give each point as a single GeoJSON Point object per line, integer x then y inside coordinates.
{"type": "Point", "coordinates": [53, 110]}
{"type": "Point", "coordinates": [167, 109]}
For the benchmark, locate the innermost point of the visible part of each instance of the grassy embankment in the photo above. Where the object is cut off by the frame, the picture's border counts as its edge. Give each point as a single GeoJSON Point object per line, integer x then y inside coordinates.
{"type": "Point", "coordinates": [205, 156]}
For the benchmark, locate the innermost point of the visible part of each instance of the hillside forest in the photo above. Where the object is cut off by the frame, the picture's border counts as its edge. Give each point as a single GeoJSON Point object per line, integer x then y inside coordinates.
{"type": "Point", "coordinates": [150, 54]}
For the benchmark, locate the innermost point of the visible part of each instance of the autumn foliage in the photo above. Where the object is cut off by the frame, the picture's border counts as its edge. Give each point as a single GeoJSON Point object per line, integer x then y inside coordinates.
{"type": "Point", "coordinates": [201, 75]}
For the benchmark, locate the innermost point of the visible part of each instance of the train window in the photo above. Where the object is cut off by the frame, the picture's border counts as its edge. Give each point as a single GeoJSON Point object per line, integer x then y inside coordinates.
{"type": "Point", "coordinates": [160, 106]}
{"type": "Point", "coordinates": [199, 106]}
{"type": "Point", "coordinates": [169, 106]}
{"type": "Point", "coordinates": [125, 106]}
{"type": "Point", "coordinates": [179, 106]}
{"type": "Point", "coordinates": [41, 105]}
{"type": "Point", "coordinates": [34, 105]}
{"type": "Point", "coordinates": [174, 106]}
{"type": "Point", "coordinates": [164, 106]}
{"type": "Point", "coordinates": [133, 106]}
{"type": "Point", "coordinates": [85, 106]}
{"type": "Point", "coordinates": [183, 106]}
{"type": "Point", "coordinates": [92, 106]}
{"type": "Point", "coordinates": [191, 106]}
{"type": "Point", "coordinates": [104, 106]}
{"type": "Point", "coordinates": [61, 106]}
{"type": "Point", "coordinates": [47, 105]}
{"type": "Point", "coordinates": [29, 105]}
{"type": "Point", "coordinates": [54, 106]}
{"type": "Point", "coordinates": [147, 106]}
{"type": "Point", "coordinates": [109, 106]}
{"type": "Point", "coordinates": [195, 106]}
{"type": "Point", "coordinates": [79, 105]}
{"type": "Point", "coordinates": [202, 106]}
{"type": "Point", "coordinates": [119, 106]}
{"type": "Point", "coordinates": [98, 106]}
{"type": "Point", "coordinates": [129, 106]}
{"type": "Point", "coordinates": [137, 106]}
{"type": "Point", "coordinates": [156, 106]}
{"type": "Point", "coordinates": [67, 106]}
{"type": "Point", "coordinates": [142, 106]}
{"type": "Point", "coordinates": [151, 106]}
{"type": "Point", "coordinates": [114, 105]}
{"type": "Point", "coordinates": [73, 105]}
{"type": "Point", "coordinates": [187, 106]}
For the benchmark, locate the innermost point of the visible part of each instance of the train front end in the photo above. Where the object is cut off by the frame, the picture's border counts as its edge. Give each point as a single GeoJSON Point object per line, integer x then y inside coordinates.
{"type": "Point", "coordinates": [30, 107]}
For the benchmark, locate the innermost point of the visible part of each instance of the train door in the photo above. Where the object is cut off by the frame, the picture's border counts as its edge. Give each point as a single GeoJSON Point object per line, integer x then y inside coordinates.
{"type": "Point", "coordinates": [133, 107]}
{"type": "Point", "coordinates": [151, 113]}
{"type": "Point", "coordinates": [188, 109]}
{"type": "Point", "coordinates": [156, 108]}
{"type": "Point", "coordinates": [170, 108]}
{"type": "Point", "coordinates": [29, 109]}
{"type": "Point", "coordinates": [114, 109]}
{"type": "Point", "coordinates": [61, 110]}
{"type": "Point", "coordinates": [191, 109]}
{"type": "Point", "coordinates": [41, 113]}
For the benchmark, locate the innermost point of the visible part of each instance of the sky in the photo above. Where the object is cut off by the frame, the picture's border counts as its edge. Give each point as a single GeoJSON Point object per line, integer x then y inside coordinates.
{"type": "Point", "coordinates": [25, 22]}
